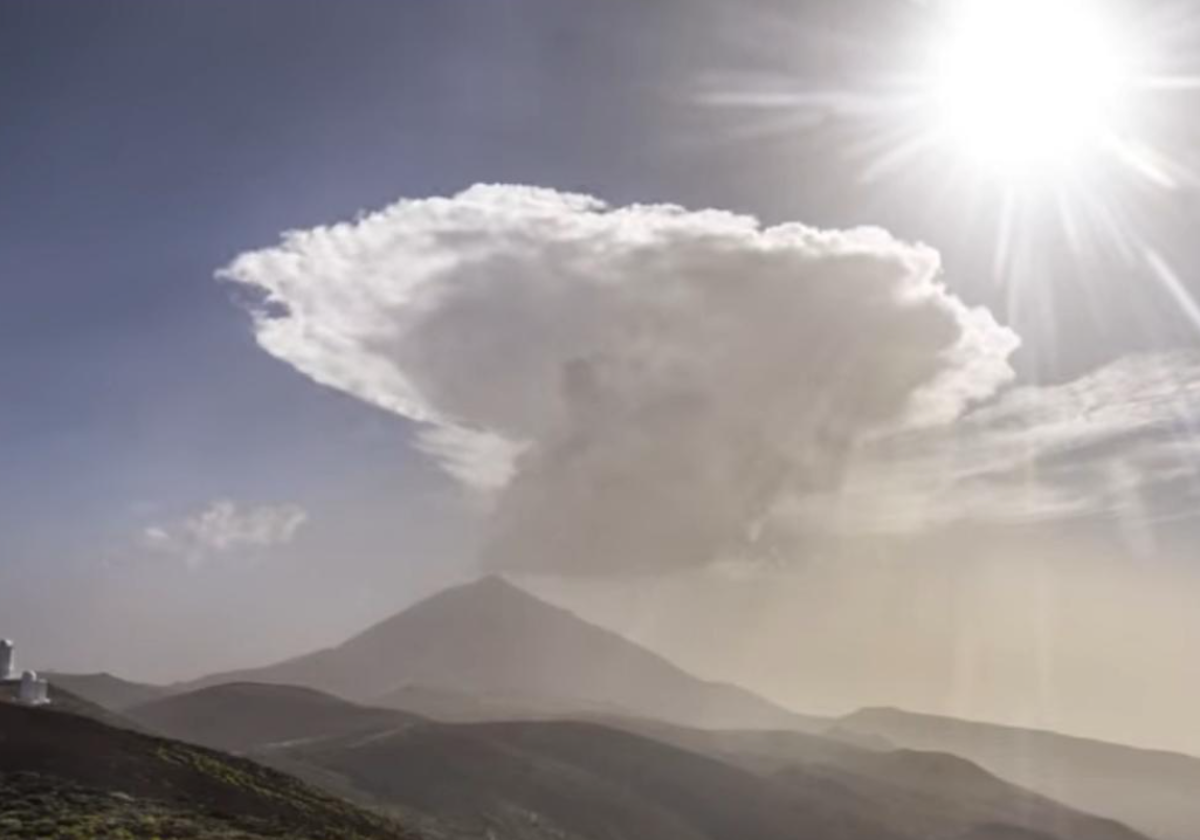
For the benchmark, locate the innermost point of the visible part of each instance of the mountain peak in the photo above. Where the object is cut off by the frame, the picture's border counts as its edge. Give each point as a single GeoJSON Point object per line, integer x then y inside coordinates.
{"type": "Point", "coordinates": [491, 585]}
{"type": "Point", "coordinates": [492, 595]}
{"type": "Point", "coordinates": [493, 641]}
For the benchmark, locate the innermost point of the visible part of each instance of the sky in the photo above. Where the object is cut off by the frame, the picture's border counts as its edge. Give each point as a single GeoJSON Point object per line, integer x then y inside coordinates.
{"type": "Point", "coordinates": [635, 302]}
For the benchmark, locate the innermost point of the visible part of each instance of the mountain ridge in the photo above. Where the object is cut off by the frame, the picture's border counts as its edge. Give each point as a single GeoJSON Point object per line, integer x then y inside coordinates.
{"type": "Point", "coordinates": [108, 690]}
{"type": "Point", "coordinates": [1035, 731]}
{"type": "Point", "coordinates": [1152, 791]}
{"type": "Point", "coordinates": [236, 717]}
{"type": "Point", "coordinates": [586, 780]}
{"type": "Point", "coordinates": [621, 779]}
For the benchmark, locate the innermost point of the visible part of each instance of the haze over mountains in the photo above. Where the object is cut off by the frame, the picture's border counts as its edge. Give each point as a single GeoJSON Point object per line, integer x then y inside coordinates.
{"type": "Point", "coordinates": [494, 644]}
{"type": "Point", "coordinates": [107, 690]}
{"type": "Point", "coordinates": [616, 779]}
{"type": "Point", "coordinates": [824, 358]}
{"type": "Point", "coordinates": [565, 730]}
{"type": "Point", "coordinates": [1156, 792]}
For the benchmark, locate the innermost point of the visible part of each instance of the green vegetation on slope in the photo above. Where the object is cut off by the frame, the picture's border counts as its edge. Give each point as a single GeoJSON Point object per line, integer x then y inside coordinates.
{"type": "Point", "coordinates": [64, 776]}
{"type": "Point", "coordinates": [578, 781]}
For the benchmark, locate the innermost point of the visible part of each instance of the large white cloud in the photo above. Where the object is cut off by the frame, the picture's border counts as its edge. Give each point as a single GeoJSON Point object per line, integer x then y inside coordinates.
{"type": "Point", "coordinates": [637, 387]}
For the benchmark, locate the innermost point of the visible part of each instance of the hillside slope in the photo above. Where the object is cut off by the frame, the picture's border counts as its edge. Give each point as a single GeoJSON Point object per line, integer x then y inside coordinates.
{"type": "Point", "coordinates": [541, 780]}
{"type": "Point", "coordinates": [63, 700]}
{"type": "Point", "coordinates": [244, 716]}
{"type": "Point", "coordinates": [67, 776]}
{"type": "Point", "coordinates": [1157, 793]}
{"type": "Point", "coordinates": [535, 781]}
{"type": "Point", "coordinates": [923, 793]}
{"type": "Point", "coordinates": [113, 693]}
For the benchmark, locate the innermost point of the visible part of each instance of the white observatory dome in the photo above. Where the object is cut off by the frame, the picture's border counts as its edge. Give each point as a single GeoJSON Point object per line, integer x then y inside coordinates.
{"type": "Point", "coordinates": [33, 691]}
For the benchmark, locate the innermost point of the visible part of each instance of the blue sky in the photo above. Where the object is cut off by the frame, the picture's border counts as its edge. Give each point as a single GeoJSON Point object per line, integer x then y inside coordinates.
{"type": "Point", "coordinates": [147, 146]}
{"type": "Point", "coordinates": [144, 145]}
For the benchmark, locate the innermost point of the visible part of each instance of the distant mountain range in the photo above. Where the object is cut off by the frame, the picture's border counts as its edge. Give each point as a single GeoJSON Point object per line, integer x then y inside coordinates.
{"type": "Point", "coordinates": [106, 690]}
{"type": "Point", "coordinates": [1156, 792]}
{"type": "Point", "coordinates": [503, 648]}
{"type": "Point", "coordinates": [490, 652]}
{"type": "Point", "coordinates": [622, 779]}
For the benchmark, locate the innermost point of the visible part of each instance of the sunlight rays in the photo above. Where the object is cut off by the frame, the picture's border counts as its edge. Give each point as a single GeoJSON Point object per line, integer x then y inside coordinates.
{"type": "Point", "coordinates": [1059, 132]}
{"type": "Point", "coordinates": [1032, 106]}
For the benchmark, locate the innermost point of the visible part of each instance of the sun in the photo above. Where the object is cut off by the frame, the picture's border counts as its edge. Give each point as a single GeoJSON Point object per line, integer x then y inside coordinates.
{"type": "Point", "coordinates": [1023, 86]}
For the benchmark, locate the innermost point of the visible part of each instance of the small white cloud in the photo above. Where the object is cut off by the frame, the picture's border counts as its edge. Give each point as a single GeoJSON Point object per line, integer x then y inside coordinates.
{"type": "Point", "coordinates": [154, 536]}
{"type": "Point", "coordinates": [224, 528]}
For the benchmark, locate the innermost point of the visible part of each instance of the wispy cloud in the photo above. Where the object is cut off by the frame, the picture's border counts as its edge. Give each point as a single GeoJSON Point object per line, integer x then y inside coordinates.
{"type": "Point", "coordinates": [1120, 441]}
{"type": "Point", "coordinates": [225, 528]}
